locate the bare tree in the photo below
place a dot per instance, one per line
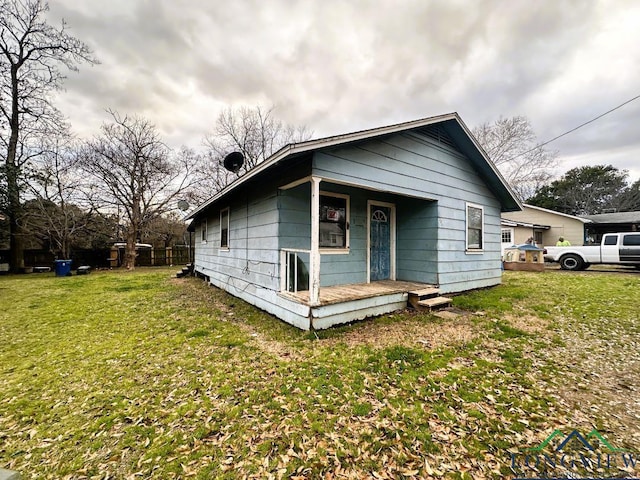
(131, 170)
(57, 200)
(165, 231)
(513, 147)
(255, 132)
(31, 52)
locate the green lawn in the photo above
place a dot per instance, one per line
(138, 375)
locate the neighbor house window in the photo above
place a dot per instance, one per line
(506, 235)
(475, 227)
(537, 238)
(334, 220)
(203, 230)
(224, 228)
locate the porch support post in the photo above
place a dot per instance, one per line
(314, 267)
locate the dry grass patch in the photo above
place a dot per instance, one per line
(142, 376)
(408, 328)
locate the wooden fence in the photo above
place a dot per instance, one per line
(109, 258)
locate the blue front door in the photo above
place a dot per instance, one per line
(380, 243)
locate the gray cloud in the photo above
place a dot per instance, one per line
(340, 66)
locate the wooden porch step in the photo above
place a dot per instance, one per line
(425, 292)
(435, 302)
(416, 296)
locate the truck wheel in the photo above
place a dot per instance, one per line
(571, 262)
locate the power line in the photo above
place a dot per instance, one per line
(578, 127)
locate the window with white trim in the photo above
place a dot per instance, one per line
(224, 228)
(334, 220)
(475, 228)
(506, 235)
(203, 230)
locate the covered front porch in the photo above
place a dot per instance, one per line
(333, 234)
(346, 303)
(357, 291)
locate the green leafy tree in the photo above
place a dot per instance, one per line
(584, 191)
(629, 199)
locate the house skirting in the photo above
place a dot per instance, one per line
(339, 305)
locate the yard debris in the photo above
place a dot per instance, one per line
(150, 382)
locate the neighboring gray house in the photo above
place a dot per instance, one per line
(338, 229)
(611, 223)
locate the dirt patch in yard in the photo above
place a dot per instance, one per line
(600, 376)
(528, 323)
(420, 331)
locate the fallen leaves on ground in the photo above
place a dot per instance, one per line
(148, 377)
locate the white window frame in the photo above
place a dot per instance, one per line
(228, 225)
(502, 231)
(468, 249)
(338, 250)
(203, 230)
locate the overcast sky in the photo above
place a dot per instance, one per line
(341, 66)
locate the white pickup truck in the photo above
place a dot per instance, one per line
(615, 248)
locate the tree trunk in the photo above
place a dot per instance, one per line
(132, 233)
(16, 241)
(130, 250)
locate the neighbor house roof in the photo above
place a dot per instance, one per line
(581, 219)
(618, 217)
(512, 223)
(453, 125)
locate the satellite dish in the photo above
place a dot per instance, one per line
(233, 161)
(183, 205)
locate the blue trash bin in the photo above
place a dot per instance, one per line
(63, 268)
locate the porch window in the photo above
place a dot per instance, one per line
(334, 220)
(224, 228)
(475, 228)
(203, 230)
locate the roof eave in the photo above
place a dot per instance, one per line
(312, 145)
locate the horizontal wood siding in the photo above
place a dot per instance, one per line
(295, 228)
(406, 164)
(417, 240)
(416, 165)
(252, 260)
(459, 270)
(295, 217)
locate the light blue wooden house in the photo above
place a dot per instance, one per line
(338, 229)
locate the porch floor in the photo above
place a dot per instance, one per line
(356, 291)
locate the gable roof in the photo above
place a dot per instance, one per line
(546, 210)
(451, 122)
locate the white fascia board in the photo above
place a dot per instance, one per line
(488, 160)
(296, 148)
(311, 145)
